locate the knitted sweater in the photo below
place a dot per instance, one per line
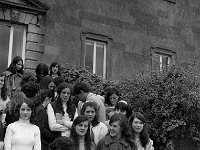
(22, 136)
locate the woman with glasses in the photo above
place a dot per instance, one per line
(62, 111)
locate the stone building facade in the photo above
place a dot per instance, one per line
(113, 37)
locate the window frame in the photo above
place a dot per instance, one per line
(171, 1)
(95, 55)
(10, 50)
(89, 36)
(162, 52)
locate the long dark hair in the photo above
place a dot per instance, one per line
(62, 143)
(53, 64)
(57, 104)
(30, 105)
(110, 92)
(28, 77)
(92, 104)
(3, 89)
(12, 68)
(74, 135)
(125, 128)
(124, 106)
(30, 89)
(42, 95)
(45, 82)
(144, 136)
(41, 71)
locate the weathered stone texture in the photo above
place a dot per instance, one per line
(35, 47)
(32, 37)
(34, 55)
(134, 25)
(22, 17)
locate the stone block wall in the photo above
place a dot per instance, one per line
(34, 47)
(133, 25)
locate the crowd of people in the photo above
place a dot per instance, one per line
(38, 111)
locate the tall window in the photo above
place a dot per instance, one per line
(12, 43)
(162, 59)
(95, 57)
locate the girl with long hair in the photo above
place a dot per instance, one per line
(119, 136)
(98, 129)
(4, 99)
(62, 111)
(41, 71)
(140, 134)
(55, 70)
(47, 83)
(111, 98)
(18, 97)
(23, 134)
(13, 75)
(80, 133)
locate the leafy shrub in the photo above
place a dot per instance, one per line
(74, 74)
(170, 102)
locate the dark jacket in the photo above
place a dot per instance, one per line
(12, 82)
(42, 122)
(1, 131)
(107, 143)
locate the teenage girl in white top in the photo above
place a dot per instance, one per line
(23, 134)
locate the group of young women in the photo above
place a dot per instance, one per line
(47, 119)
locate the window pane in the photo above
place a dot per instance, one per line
(166, 63)
(156, 62)
(99, 59)
(17, 42)
(4, 47)
(89, 55)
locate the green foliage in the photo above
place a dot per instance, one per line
(170, 102)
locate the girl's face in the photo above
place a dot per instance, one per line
(25, 112)
(120, 112)
(1, 81)
(113, 99)
(19, 65)
(51, 85)
(137, 125)
(90, 113)
(81, 128)
(115, 129)
(65, 94)
(55, 69)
